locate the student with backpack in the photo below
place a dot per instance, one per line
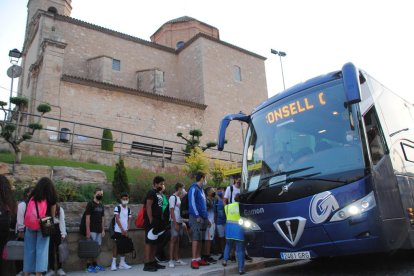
(55, 240)
(232, 191)
(42, 203)
(21, 210)
(122, 222)
(95, 226)
(176, 225)
(7, 218)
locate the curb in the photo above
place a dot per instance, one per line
(247, 267)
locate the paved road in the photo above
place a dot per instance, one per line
(398, 264)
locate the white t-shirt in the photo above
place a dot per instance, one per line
(228, 192)
(124, 215)
(175, 202)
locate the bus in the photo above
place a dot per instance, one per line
(328, 169)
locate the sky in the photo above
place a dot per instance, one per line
(318, 36)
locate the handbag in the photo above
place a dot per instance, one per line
(88, 249)
(47, 226)
(63, 251)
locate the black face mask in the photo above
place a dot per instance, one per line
(99, 197)
(159, 189)
(213, 194)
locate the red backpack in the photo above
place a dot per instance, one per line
(139, 221)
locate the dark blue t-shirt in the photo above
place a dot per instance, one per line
(221, 215)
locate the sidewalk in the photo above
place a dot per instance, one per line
(212, 269)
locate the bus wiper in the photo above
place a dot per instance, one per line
(291, 180)
(274, 174)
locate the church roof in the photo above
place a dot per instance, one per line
(181, 19)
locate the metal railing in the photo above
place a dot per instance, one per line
(81, 136)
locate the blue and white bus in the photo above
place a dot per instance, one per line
(328, 169)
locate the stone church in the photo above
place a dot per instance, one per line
(184, 78)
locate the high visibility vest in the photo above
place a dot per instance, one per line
(234, 230)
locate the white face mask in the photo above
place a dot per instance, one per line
(204, 183)
(124, 202)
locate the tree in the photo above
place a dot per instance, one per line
(107, 143)
(194, 141)
(120, 183)
(11, 128)
(196, 161)
(217, 171)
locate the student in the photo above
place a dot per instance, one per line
(220, 221)
(123, 219)
(164, 239)
(21, 208)
(198, 218)
(232, 190)
(176, 225)
(95, 226)
(209, 236)
(234, 234)
(55, 240)
(154, 224)
(36, 247)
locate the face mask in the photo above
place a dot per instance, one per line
(204, 183)
(213, 194)
(124, 202)
(99, 197)
(159, 189)
(220, 194)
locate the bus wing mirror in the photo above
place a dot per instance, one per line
(350, 76)
(225, 123)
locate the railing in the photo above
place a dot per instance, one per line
(81, 136)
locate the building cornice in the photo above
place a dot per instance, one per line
(128, 90)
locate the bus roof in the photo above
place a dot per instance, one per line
(298, 87)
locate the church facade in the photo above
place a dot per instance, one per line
(184, 78)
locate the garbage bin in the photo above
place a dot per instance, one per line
(64, 135)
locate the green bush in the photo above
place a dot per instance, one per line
(66, 191)
(107, 143)
(120, 183)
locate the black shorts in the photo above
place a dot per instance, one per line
(116, 236)
(156, 227)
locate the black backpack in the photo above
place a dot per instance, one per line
(184, 207)
(231, 194)
(82, 225)
(5, 220)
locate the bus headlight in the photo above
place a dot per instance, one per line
(248, 224)
(358, 207)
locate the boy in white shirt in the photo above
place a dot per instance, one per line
(174, 203)
(122, 223)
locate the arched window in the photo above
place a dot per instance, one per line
(237, 73)
(179, 45)
(52, 10)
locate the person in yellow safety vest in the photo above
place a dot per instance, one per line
(234, 234)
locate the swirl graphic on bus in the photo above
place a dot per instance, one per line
(321, 207)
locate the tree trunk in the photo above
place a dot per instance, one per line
(18, 157)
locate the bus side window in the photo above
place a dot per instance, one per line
(374, 135)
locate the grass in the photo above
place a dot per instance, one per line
(51, 161)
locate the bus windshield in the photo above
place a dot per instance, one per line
(311, 137)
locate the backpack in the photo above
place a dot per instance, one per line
(82, 225)
(111, 228)
(31, 217)
(139, 221)
(231, 194)
(184, 207)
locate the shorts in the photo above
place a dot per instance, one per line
(210, 231)
(96, 237)
(198, 229)
(116, 236)
(174, 232)
(153, 232)
(220, 230)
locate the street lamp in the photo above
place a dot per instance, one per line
(280, 54)
(14, 71)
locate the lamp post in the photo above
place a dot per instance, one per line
(280, 54)
(14, 71)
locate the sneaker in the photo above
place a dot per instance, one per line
(113, 267)
(224, 263)
(194, 264)
(203, 262)
(242, 272)
(248, 258)
(161, 259)
(124, 265)
(149, 267)
(171, 264)
(91, 269)
(21, 273)
(180, 262)
(61, 272)
(50, 273)
(99, 268)
(158, 266)
(210, 260)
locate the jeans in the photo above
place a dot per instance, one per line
(36, 249)
(239, 252)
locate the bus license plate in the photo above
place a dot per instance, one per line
(303, 255)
